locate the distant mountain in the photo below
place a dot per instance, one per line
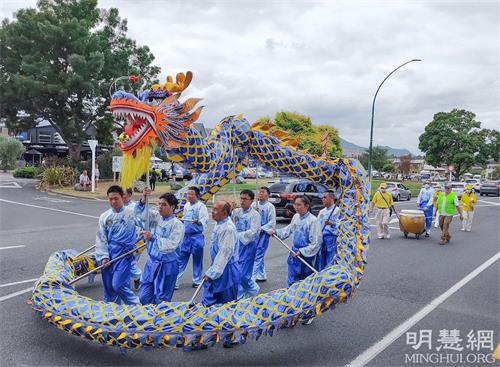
(353, 149)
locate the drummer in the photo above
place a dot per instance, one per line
(383, 201)
(425, 202)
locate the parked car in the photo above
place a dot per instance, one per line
(248, 172)
(458, 188)
(490, 188)
(181, 173)
(398, 191)
(264, 173)
(476, 184)
(283, 194)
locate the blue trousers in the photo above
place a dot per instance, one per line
(428, 218)
(259, 271)
(116, 282)
(297, 270)
(135, 271)
(223, 289)
(247, 287)
(191, 245)
(158, 281)
(327, 252)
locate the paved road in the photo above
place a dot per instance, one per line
(403, 280)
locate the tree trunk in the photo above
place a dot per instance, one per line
(74, 151)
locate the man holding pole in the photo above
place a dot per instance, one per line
(267, 213)
(306, 240)
(195, 221)
(247, 222)
(164, 237)
(425, 202)
(328, 220)
(115, 236)
(383, 201)
(222, 277)
(135, 271)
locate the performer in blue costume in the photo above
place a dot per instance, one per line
(267, 225)
(166, 234)
(135, 271)
(425, 202)
(195, 222)
(115, 236)
(328, 221)
(222, 277)
(306, 240)
(247, 222)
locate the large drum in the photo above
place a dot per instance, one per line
(412, 221)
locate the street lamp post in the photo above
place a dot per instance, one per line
(373, 113)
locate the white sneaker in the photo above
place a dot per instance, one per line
(387, 236)
(463, 230)
(380, 237)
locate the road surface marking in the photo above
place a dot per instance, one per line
(487, 202)
(10, 185)
(20, 282)
(52, 200)
(18, 293)
(8, 247)
(390, 338)
(46, 208)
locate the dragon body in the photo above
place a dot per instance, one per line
(157, 116)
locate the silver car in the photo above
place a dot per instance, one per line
(458, 188)
(398, 191)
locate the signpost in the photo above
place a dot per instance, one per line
(451, 168)
(93, 145)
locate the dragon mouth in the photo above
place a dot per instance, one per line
(138, 125)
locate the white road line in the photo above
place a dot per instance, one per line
(488, 202)
(3, 298)
(46, 208)
(20, 282)
(8, 247)
(380, 346)
(10, 185)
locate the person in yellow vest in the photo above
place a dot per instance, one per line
(468, 201)
(448, 206)
(437, 190)
(383, 201)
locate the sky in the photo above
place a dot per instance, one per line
(326, 59)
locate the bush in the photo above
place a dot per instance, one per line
(105, 162)
(10, 150)
(58, 176)
(26, 172)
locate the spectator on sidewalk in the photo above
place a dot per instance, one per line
(85, 180)
(97, 175)
(468, 201)
(448, 206)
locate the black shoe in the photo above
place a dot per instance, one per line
(229, 344)
(260, 280)
(137, 284)
(195, 285)
(427, 235)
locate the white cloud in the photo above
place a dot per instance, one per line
(326, 59)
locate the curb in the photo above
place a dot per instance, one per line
(50, 191)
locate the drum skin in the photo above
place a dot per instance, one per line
(412, 221)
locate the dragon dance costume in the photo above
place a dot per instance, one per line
(223, 273)
(247, 231)
(267, 213)
(162, 267)
(157, 116)
(306, 238)
(330, 233)
(115, 236)
(194, 240)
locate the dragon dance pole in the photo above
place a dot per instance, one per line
(192, 301)
(298, 257)
(84, 251)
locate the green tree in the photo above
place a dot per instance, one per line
(57, 63)
(456, 138)
(10, 150)
(380, 159)
(310, 136)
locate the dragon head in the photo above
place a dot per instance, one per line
(155, 114)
